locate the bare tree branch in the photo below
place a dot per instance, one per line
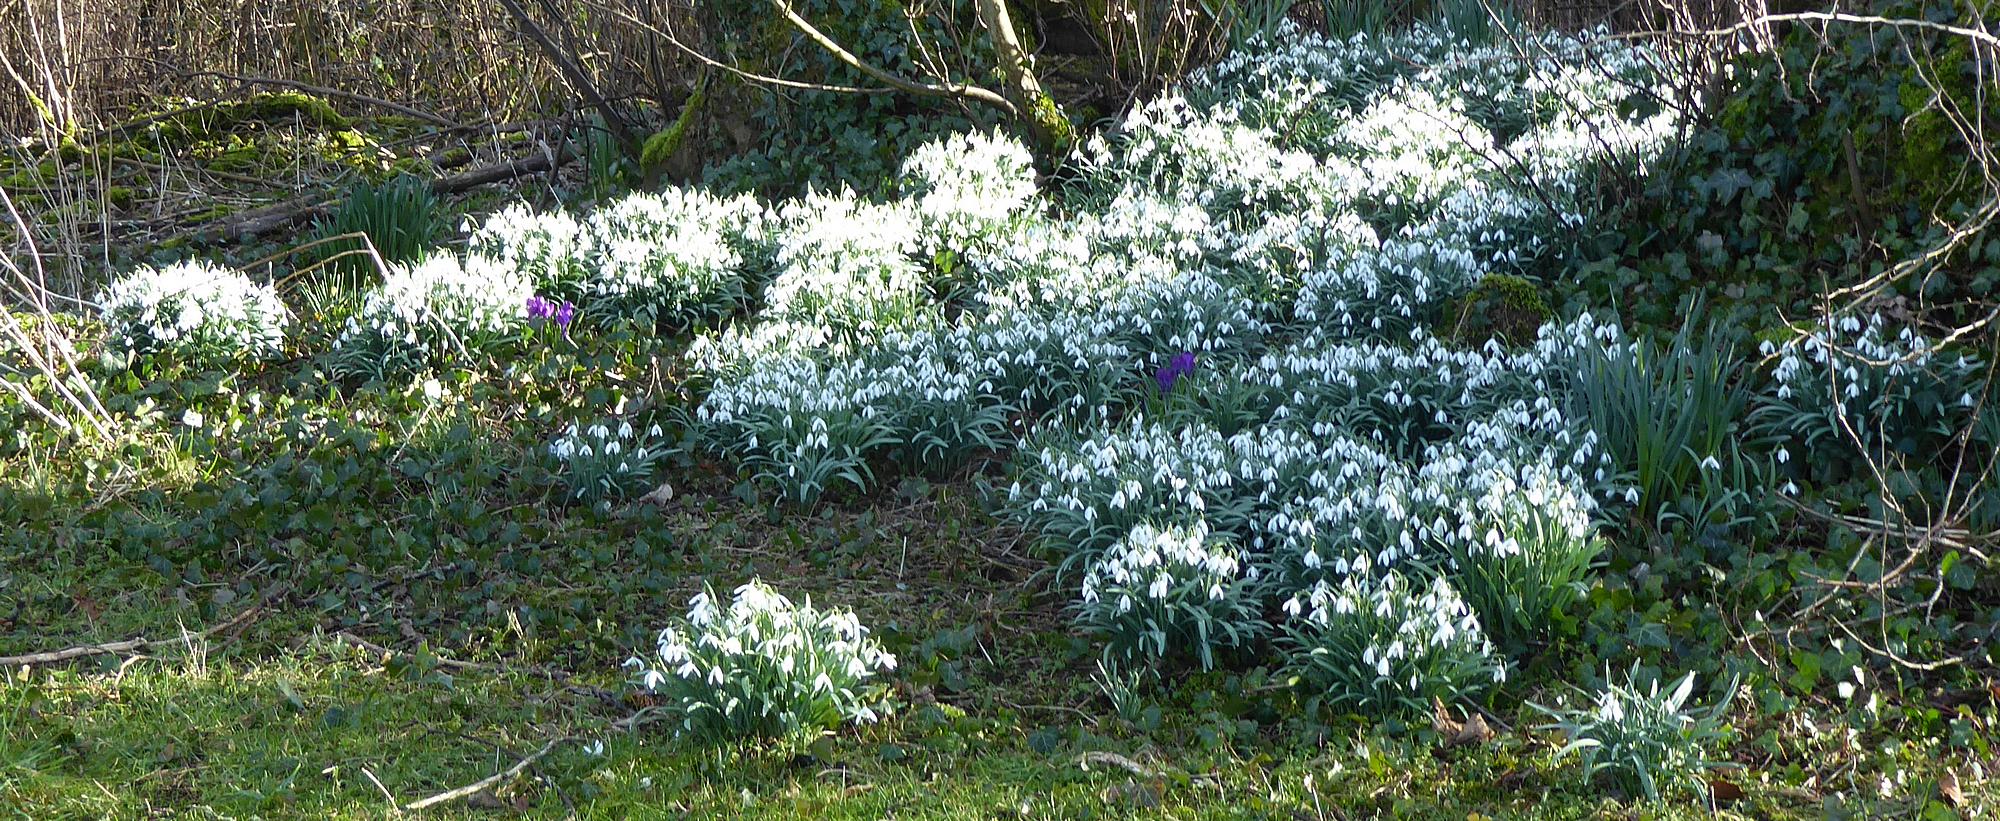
(490, 781)
(613, 118)
(960, 90)
(740, 73)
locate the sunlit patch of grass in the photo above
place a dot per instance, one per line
(328, 731)
(997, 713)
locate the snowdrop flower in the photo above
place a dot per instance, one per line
(433, 310)
(203, 311)
(764, 662)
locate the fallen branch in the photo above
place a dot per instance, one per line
(491, 781)
(372, 647)
(128, 645)
(1102, 758)
(258, 221)
(1975, 35)
(323, 91)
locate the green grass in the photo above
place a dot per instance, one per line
(428, 528)
(997, 712)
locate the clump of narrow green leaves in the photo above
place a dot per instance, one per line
(1640, 740)
(401, 218)
(608, 460)
(1663, 413)
(1164, 592)
(1388, 646)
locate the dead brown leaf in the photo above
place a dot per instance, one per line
(1457, 733)
(1949, 788)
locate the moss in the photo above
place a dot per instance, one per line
(205, 123)
(284, 105)
(1056, 133)
(120, 197)
(356, 150)
(216, 213)
(35, 176)
(1933, 153)
(237, 156)
(128, 149)
(1501, 306)
(662, 146)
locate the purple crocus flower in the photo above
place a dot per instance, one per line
(543, 308)
(539, 308)
(1182, 365)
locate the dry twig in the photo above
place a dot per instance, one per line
(491, 781)
(129, 645)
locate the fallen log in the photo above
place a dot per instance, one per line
(263, 220)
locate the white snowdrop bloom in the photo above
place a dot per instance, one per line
(966, 185)
(1866, 371)
(200, 310)
(1293, 219)
(440, 308)
(1412, 641)
(678, 254)
(763, 662)
(1158, 579)
(846, 263)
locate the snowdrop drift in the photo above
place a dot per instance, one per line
(1209, 353)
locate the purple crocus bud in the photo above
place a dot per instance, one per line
(1181, 365)
(564, 314)
(539, 308)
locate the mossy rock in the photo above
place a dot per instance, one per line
(1502, 306)
(289, 105)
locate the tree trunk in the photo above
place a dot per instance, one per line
(1047, 126)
